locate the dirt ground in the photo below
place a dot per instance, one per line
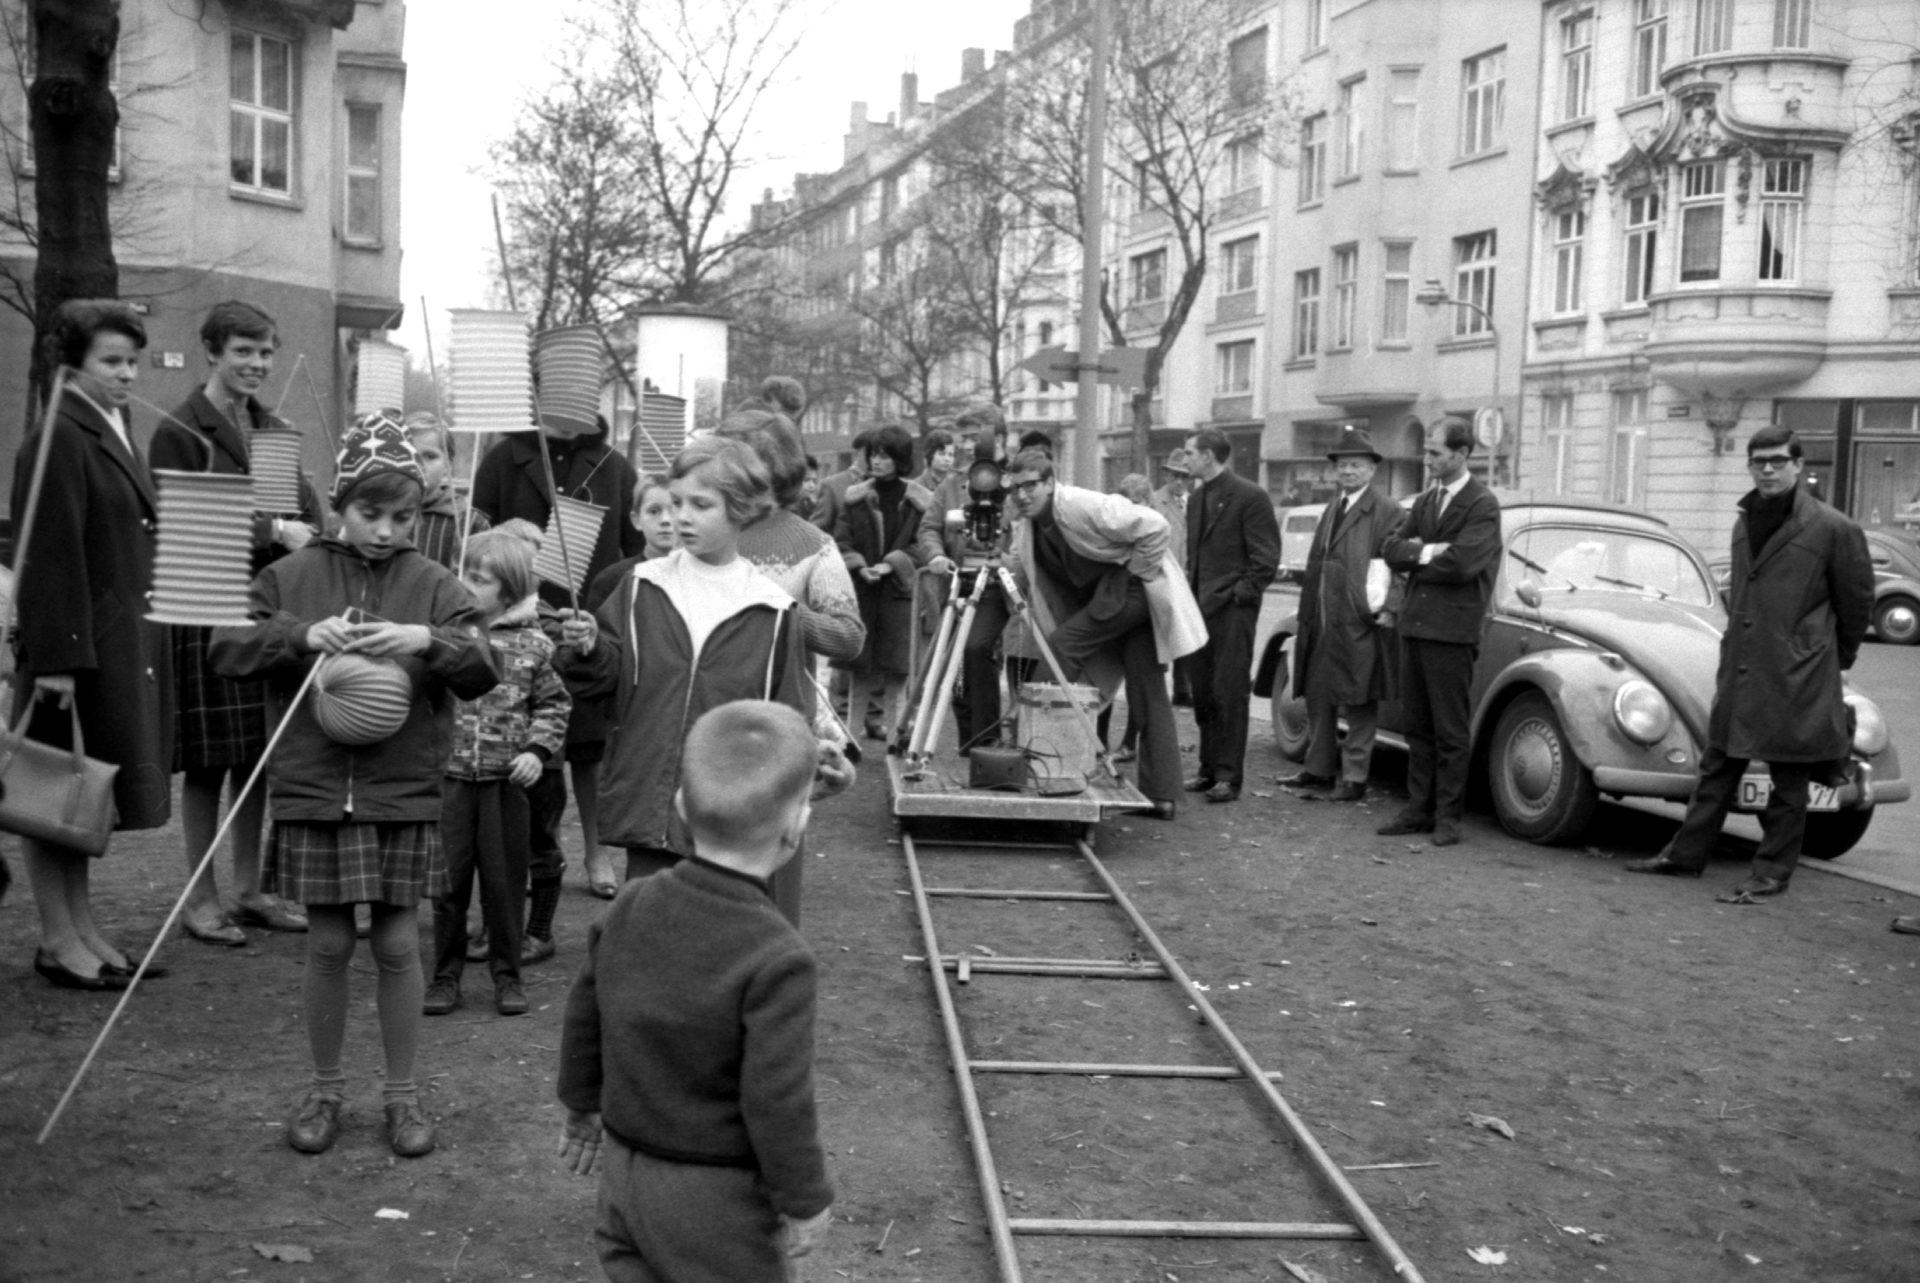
(1696, 1091)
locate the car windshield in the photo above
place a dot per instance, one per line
(1575, 559)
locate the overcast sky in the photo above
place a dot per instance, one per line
(470, 63)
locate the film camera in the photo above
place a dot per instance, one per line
(980, 519)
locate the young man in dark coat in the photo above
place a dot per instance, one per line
(1342, 654)
(1802, 597)
(1449, 549)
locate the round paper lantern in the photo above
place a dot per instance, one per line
(275, 463)
(492, 377)
(569, 361)
(360, 700)
(202, 561)
(382, 380)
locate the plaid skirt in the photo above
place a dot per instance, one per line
(217, 722)
(348, 863)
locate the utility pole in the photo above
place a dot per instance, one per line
(1083, 459)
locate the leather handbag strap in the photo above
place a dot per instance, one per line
(11, 739)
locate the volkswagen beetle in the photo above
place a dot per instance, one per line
(1595, 677)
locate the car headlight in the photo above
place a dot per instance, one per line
(1642, 712)
(1869, 727)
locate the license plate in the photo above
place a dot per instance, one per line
(1756, 789)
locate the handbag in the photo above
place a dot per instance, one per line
(55, 795)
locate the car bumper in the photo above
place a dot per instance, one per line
(1662, 784)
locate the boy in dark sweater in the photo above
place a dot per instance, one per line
(687, 1054)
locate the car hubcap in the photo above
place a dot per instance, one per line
(1900, 622)
(1533, 765)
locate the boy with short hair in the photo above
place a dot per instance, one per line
(688, 1041)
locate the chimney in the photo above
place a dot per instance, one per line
(909, 97)
(973, 63)
(857, 118)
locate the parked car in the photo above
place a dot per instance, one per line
(1595, 678)
(1296, 536)
(1896, 583)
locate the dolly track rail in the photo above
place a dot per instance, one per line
(1003, 1228)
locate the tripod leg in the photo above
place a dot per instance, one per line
(955, 659)
(1020, 608)
(923, 677)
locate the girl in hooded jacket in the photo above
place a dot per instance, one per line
(359, 823)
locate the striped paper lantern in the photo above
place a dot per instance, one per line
(202, 563)
(382, 381)
(569, 362)
(580, 522)
(275, 463)
(360, 700)
(492, 377)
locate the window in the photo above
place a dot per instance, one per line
(1243, 164)
(1396, 290)
(1702, 212)
(1346, 274)
(260, 113)
(1576, 66)
(1238, 265)
(363, 173)
(1403, 120)
(1233, 368)
(1792, 24)
(1143, 196)
(1353, 129)
(1473, 267)
(1483, 102)
(1627, 468)
(1569, 260)
(1556, 412)
(1649, 46)
(1313, 159)
(1783, 194)
(1316, 24)
(1247, 68)
(889, 195)
(1642, 233)
(1147, 277)
(890, 260)
(1306, 313)
(1712, 26)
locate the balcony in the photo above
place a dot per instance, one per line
(1359, 383)
(1232, 409)
(1236, 307)
(1746, 340)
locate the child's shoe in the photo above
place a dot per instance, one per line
(316, 1125)
(536, 949)
(509, 999)
(409, 1134)
(442, 997)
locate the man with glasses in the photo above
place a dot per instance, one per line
(1449, 550)
(1801, 598)
(1107, 593)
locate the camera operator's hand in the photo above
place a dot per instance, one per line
(942, 565)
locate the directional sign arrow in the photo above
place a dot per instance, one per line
(1123, 367)
(1054, 364)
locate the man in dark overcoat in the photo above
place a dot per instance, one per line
(1233, 553)
(1802, 597)
(1449, 549)
(1341, 653)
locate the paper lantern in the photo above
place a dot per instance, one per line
(492, 378)
(360, 700)
(580, 522)
(275, 461)
(570, 364)
(203, 560)
(382, 380)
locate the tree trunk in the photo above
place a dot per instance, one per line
(73, 117)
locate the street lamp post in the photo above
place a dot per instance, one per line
(1432, 296)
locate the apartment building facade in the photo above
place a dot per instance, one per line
(259, 158)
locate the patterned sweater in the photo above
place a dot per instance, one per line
(804, 561)
(526, 713)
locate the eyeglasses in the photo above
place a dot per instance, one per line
(1027, 487)
(1770, 462)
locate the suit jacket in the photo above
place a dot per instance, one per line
(1233, 543)
(1798, 614)
(1447, 599)
(1337, 630)
(199, 438)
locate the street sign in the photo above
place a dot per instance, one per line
(1122, 367)
(1054, 364)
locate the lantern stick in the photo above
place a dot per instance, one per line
(320, 408)
(433, 370)
(299, 364)
(559, 521)
(34, 486)
(126, 995)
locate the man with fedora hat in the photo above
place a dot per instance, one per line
(1449, 550)
(1233, 553)
(1342, 652)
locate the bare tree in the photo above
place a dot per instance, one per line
(909, 340)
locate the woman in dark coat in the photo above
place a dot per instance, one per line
(875, 530)
(83, 633)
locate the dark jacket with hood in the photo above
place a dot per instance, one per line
(312, 779)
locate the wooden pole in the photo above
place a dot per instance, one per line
(1083, 461)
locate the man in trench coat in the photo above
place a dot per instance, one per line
(1342, 654)
(1802, 596)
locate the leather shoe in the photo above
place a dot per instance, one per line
(409, 1134)
(1446, 833)
(154, 972)
(1906, 925)
(1159, 811)
(1198, 784)
(442, 997)
(1305, 780)
(1223, 792)
(1662, 864)
(536, 949)
(61, 976)
(509, 999)
(1348, 791)
(1405, 823)
(1753, 890)
(317, 1124)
